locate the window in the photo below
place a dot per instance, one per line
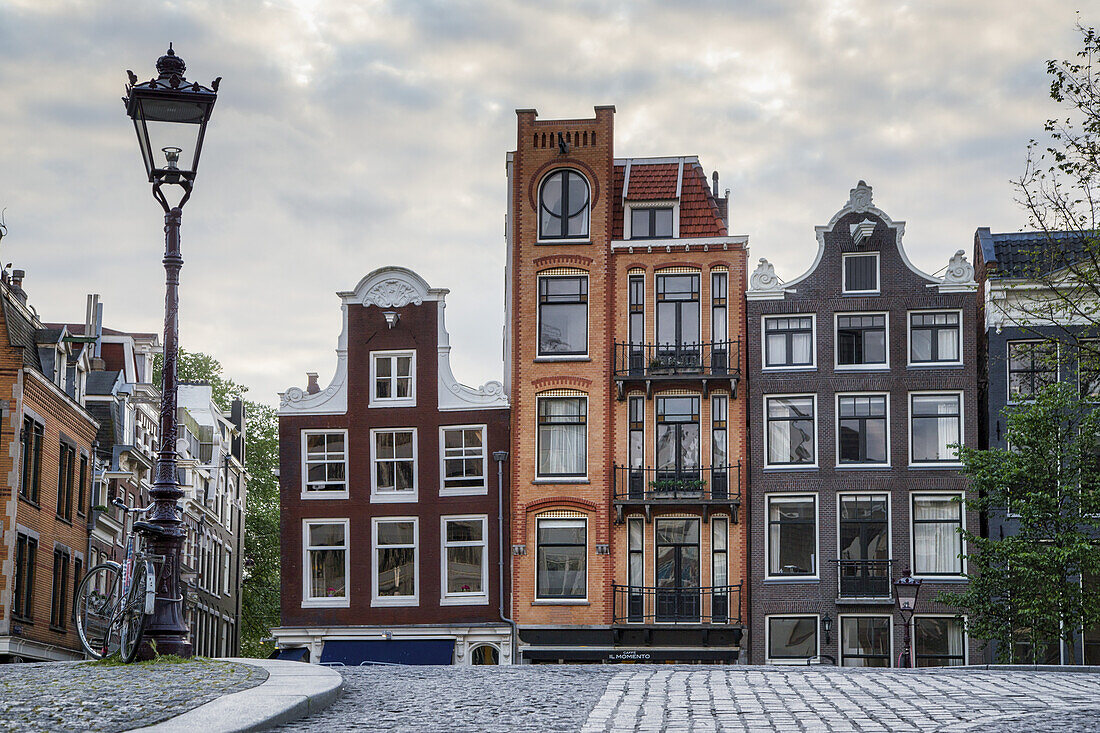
(935, 422)
(82, 486)
(861, 273)
(1032, 365)
(719, 570)
(1088, 367)
(325, 468)
(655, 223)
(563, 437)
(465, 546)
(396, 566)
(790, 431)
(562, 559)
(937, 543)
(66, 468)
(463, 459)
(934, 338)
(327, 564)
(788, 341)
(58, 605)
(865, 641)
(861, 340)
(563, 316)
(393, 453)
(393, 374)
(26, 556)
(792, 536)
(792, 638)
(939, 641)
(563, 206)
(862, 430)
(32, 459)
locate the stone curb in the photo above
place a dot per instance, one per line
(293, 690)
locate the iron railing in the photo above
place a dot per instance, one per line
(714, 483)
(720, 604)
(865, 578)
(655, 361)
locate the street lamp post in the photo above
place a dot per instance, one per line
(906, 589)
(170, 115)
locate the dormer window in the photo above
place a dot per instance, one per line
(653, 223)
(563, 206)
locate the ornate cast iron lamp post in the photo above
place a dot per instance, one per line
(170, 116)
(906, 589)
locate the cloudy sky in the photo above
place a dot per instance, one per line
(351, 134)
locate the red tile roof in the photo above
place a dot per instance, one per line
(701, 215)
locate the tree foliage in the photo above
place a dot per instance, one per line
(1029, 584)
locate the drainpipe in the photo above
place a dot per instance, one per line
(500, 457)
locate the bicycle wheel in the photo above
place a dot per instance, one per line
(97, 606)
(133, 615)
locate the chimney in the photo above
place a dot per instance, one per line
(17, 285)
(312, 387)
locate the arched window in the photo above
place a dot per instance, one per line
(563, 206)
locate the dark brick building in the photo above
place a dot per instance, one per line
(389, 493)
(863, 374)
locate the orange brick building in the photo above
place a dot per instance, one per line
(625, 319)
(46, 438)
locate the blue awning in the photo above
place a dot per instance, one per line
(294, 654)
(418, 651)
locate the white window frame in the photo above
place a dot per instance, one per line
(376, 600)
(909, 425)
(860, 367)
(812, 366)
(586, 356)
(464, 599)
(555, 600)
(628, 218)
(309, 601)
(393, 354)
(844, 269)
(817, 437)
(836, 432)
(768, 638)
(464, 490)
(840, 636)
(306, 493)
(551, 479)
(913, 538)
(913, 635)
(816, 575)
(394, 497)
(909, 339)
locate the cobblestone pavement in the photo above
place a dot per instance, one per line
(675, 698)
(79, 696)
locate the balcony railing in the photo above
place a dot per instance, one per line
(694, 361)
(865, 579)
(720, 604)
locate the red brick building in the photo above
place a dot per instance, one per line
(389, 492)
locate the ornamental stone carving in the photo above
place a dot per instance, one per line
(859, 198)
(959, 270)
(764, 278)
(392, 294)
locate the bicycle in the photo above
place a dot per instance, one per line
(114, 601)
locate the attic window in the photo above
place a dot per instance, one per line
(653, 223)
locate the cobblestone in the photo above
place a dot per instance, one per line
(79, 696)
(599, 699)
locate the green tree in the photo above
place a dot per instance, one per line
(1028, 585)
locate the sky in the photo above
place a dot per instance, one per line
(353, 134)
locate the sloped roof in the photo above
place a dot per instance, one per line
(1031, 254)
(701, 215)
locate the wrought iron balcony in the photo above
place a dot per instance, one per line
(720, 604)
(695, 362)
(865, 579)
(702, 487)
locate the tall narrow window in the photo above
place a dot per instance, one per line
(563, 206)
(792, 535)
(393, 374)
(653, 223)
(719, 334)
(65, 471)
(790, 431)
(463, 460)
(326, 563)
(719, 446)
(393, 453)
(935, 422)
(395, 562)
(788, 341)
(1032, 365)
(861, 273)
(637, 324)
(563, 315)
(719, 570)
(933, 337)
(861, 340)
(865, 641)
(939, 641)
(58, 600)
(32, 459)
(465, 546)
(636, 487)
(562, 559)
(636, 569)
(678, 447)
(326, 463)
(937, 542)
(862, 429)
(26, 556)
(563, 436)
